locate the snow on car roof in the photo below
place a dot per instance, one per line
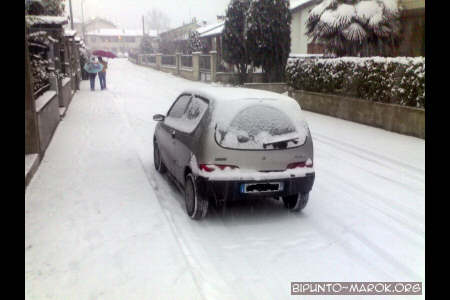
(233, 93)
(228, 101)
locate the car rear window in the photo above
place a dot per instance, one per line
(258, 127)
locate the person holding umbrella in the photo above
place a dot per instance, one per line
(102, 73)
(92, 67)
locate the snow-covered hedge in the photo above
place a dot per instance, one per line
(38, 44)
(397, 80)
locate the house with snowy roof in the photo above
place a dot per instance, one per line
(119, 41)
(211, 36)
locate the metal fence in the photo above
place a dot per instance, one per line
(149, 59)
(169, 60)
(186, 61)
(205, 62)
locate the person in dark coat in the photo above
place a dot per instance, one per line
(102, 73)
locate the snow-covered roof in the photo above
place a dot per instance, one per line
(46, 20)
(212, 29)
(120, 32)
(296, 3)
(70, 32)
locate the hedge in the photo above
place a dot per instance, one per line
(396, 80)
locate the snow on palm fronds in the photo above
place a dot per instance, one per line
(354, 27)
(354, 32)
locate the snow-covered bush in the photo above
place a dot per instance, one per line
(41, 70)
(195, 43)
(397, 80)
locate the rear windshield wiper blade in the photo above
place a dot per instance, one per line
(286, 140)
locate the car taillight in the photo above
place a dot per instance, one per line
(210, 168)
(302, 164)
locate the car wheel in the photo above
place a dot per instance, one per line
(196, 205)
(296, 202)
(159, 165)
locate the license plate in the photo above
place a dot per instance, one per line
(261, 187)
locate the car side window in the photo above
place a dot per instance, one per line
(191, 116)
(179, 107)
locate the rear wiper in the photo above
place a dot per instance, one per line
(279, 141)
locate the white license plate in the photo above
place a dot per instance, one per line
(261, 187)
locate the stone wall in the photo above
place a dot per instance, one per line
(47, 109)
(396, 118)
(277, 87)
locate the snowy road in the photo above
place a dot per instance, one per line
(100, 223)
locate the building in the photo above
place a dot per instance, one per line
(176, 40)
(300, 43)
(119, 41)
(91, 25)
(412, 33)
(212, 36)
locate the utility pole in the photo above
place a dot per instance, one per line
(71, 14)
(82, 20)
(143, 26)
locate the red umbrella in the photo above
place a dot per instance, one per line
(104, 53)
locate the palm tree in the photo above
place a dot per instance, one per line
(355, 27)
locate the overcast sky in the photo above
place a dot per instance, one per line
(128, 13)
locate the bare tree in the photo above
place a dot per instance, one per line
(157, 20)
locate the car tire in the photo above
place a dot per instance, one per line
(296, 202)
(196, 205)
(159, 165)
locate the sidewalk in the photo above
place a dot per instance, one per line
(89, 234)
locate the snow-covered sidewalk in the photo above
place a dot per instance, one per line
(100, 223)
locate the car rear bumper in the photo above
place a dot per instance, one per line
(231, 190)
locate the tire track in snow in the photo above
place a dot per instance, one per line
(370, 156)
(399, 207)
(181, 245)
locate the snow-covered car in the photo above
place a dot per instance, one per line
(223, 144)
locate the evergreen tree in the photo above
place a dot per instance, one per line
(146, 45)
(269, 36)
(45, 7)
(195, 43)
(234, 42)
(355, 27)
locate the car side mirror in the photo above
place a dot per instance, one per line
(158, 117)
